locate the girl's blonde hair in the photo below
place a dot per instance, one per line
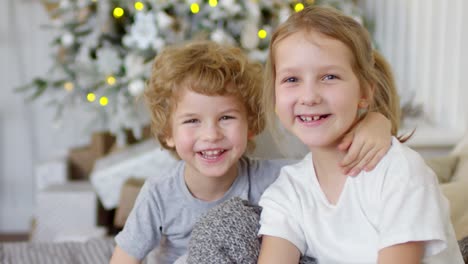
(208, 68)
(374, 73)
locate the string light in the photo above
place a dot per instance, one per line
(68, 86)
(91, 97)
(195, 8)
(298, 7)
(118, 12)
(103, 101)
(110, 80)
(262, 33)
(213, 3)
(139, 6)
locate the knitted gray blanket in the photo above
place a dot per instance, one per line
(227, 234)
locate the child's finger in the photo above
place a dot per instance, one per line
(368, 156)
(354, 167)
(353, 154)
(375, 160)
(346, 141)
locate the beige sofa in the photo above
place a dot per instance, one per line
(452, 171)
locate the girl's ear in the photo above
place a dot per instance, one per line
(367, 97)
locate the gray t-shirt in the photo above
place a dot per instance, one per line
(165, 212)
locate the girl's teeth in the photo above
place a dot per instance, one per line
(310, 118)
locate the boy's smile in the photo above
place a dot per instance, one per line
(210, 133)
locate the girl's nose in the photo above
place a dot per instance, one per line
(311, 95)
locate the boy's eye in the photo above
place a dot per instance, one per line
(329, 77)
(190, 121)
(226, 117)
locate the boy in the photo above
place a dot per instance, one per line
(204, 102)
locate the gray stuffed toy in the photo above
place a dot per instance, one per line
(227, 234)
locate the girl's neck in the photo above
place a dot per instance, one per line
(207, 188)
(328, 172)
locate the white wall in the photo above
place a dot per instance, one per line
(27, 135)
(425, 41)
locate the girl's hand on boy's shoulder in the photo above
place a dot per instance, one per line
(366, 144)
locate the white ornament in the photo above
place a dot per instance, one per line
(134, 65)
(67, 39)
(284, 13)
(249, 38)
(164, 20)
(220, 36)
(136, 87)
(108, 60)
(143, 31)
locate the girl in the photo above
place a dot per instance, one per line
(322, 75)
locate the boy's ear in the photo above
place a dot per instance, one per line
(170, 142)
(250, 135)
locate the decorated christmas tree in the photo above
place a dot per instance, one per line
(104, 49)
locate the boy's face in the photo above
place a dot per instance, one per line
(209, 133)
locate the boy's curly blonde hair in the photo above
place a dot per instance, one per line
(207, 68)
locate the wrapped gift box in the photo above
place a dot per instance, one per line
(52, 172)
(66, 210)
(140, 160)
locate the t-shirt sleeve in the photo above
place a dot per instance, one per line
(263, 174)
(279, 217)
(412, 207)
(142, 230)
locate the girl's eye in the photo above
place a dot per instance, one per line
(226, 117)
(190, 121)
(290, 79)
(329, 77)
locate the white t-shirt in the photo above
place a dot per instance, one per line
(397, 202)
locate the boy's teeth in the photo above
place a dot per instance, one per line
(211, 153)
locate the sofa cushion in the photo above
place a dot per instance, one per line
(456, 194)
(443, 167)
(461, 170)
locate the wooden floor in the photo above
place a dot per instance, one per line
(14, 237)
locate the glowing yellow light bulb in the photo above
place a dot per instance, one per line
(68, 86)
(139, 6)
(103, 101)
(91, 97)
(213, 3)
(298, 7)
(118, 12)
(195, 8)
(110, 80)
(262, 33)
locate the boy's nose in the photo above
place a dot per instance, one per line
(212, 133)
(310, 95)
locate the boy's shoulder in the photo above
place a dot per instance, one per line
(168, 178)
(258, 164)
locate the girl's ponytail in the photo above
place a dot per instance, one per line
(386, 99)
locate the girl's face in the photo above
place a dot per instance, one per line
(317, 92)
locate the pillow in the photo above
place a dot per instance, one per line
(443, 167)
(461, 170)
